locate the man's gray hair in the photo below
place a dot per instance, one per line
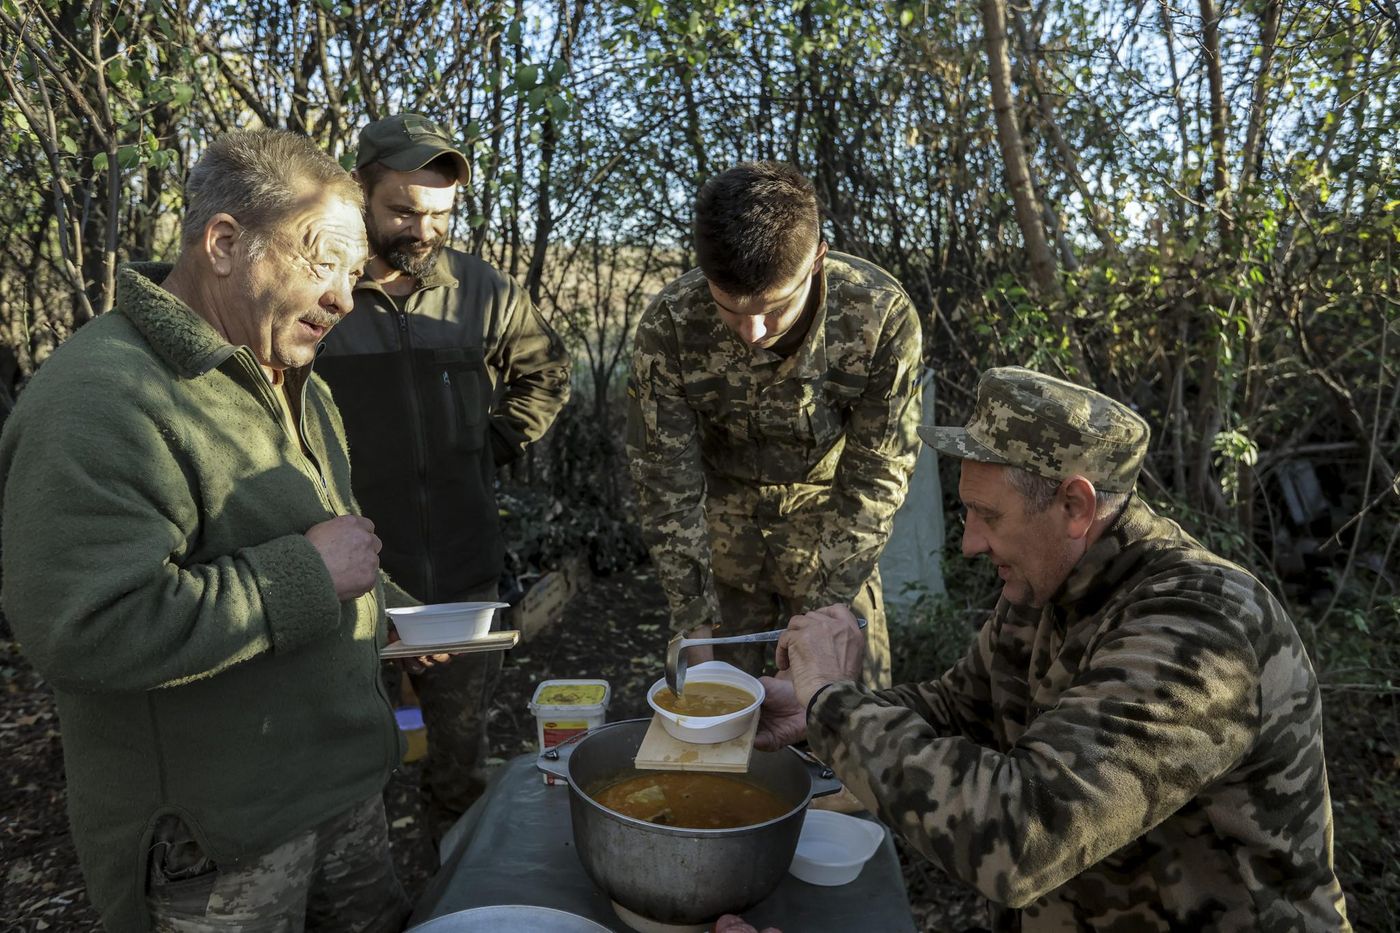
(1039, 493)
(256, 176)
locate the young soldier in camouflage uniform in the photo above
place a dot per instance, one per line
(1135, 740)
(772, 416)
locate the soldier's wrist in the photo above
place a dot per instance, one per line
(812, 700)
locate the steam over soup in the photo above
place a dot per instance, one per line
(704, 699)
(691, 800)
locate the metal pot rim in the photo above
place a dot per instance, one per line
(674, 830)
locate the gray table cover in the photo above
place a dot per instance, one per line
(516, 846)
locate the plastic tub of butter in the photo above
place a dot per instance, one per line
(566, 708)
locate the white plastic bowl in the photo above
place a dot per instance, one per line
(834, 847)
(710, 730)
(443, 623)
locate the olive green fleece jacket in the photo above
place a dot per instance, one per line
(157, 574)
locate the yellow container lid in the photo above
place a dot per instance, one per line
(570, 694)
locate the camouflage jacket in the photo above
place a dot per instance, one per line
(739, 452)
(1145, 753)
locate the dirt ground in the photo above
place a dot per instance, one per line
(614, 629)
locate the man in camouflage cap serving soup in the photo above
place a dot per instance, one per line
(1134, 742)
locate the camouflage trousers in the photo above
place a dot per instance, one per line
(338, 876)
(455, 698)
(766, 606)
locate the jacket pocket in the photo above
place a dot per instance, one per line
(180, 878)
(459, 395)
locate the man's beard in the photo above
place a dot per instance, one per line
(409, 254)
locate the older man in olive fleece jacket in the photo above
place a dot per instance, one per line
(183, 563)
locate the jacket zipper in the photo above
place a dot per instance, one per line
(420, 447)
(317, 473)
(306, 463)
(302, 445)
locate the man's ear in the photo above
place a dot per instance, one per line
(1080, 501)
(220, 241)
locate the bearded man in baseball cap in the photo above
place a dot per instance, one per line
(1133, 740)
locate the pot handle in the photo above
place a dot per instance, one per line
(824, 780)
(555, 759)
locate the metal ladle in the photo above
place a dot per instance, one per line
(675, 651)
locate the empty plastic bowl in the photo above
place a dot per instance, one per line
(834, 847)
(443, 623)
(709, 730)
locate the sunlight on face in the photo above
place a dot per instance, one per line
(301, 286)
(1033, 553)
(408, 215)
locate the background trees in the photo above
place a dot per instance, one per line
(1191, 205)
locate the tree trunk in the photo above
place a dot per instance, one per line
(1013, 152)
(1259, 103)
(1044, 272)
(1219, 117)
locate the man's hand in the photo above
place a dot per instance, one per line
(426, 662)
(350, 548)
(732, 923)
(421, 663)
(821, 647)
(782, 720)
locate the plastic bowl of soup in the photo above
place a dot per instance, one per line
(719, 703)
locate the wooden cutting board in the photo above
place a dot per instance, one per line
(661, 751)
(491, 641)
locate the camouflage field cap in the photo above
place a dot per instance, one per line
(1050, 427)
(406, 142)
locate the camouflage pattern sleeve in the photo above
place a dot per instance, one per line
(532, 366)
(1167, 703)
(663, 453)
(872, 476)
(960, 702)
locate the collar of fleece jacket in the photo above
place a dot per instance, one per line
(187, 342)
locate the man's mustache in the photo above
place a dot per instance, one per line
(412, 242)
(319, 319)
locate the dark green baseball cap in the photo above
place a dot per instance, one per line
(1051, 427)
(406, 142)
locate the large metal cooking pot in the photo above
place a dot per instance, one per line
(517, 918)
(673, 875)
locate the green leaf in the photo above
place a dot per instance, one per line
(906, 16)
(116, 71)
(181, 93)
(129, 156)
(99, 162)
(68, 144)
(526, 77)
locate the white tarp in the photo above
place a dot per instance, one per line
(911, 562)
